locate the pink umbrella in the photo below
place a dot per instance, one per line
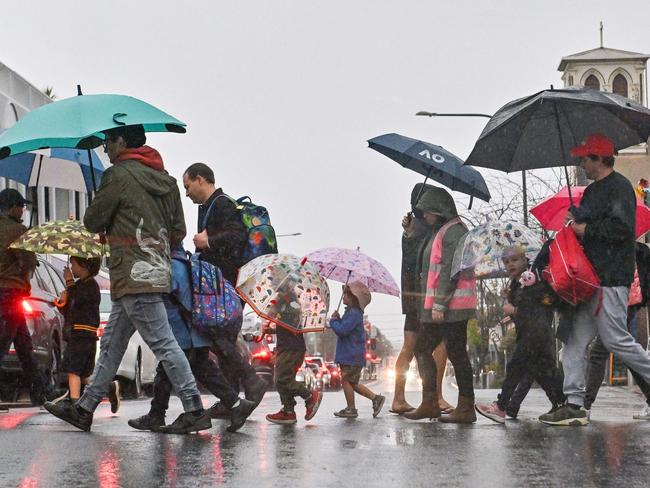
(551, 211)
(348, 265)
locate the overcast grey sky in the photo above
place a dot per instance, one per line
(280, 96)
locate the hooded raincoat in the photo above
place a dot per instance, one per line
(439, 201)
(138, 206)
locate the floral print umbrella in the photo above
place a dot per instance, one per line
(68, 237)
(287, 290)
(481, 249)
(349, 265)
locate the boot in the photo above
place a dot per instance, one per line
(463, 414)
(428, 409)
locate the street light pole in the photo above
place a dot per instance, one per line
(523, 172)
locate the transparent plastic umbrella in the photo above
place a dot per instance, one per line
(286, 290)
(480, 251)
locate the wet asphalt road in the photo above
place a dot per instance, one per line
(38, 450)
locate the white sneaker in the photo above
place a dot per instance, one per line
(643, 414)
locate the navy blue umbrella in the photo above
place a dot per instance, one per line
(433, 162)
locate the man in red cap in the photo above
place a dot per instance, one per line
(605, 223)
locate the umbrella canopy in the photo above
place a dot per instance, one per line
(539, 131)
(286, 290)
(68, 237)
(78, 122)
(348, 265)
(551, 211)
(433, 162)
(481, 249)
(58, 167)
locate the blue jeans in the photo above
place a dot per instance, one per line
(145, 313)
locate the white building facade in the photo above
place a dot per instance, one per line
(17, 97)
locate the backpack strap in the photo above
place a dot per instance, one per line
(223, 195)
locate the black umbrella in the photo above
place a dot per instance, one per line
(433, 162)
(539, 131)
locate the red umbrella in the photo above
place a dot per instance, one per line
(551, 211)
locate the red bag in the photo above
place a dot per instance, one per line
(569, 272)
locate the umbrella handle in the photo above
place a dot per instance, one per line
(346, 284)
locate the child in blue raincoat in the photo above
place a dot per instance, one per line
(351, 348)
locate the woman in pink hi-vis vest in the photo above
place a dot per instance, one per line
(446, 305)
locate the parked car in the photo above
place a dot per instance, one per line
(307, 375)
(138, 367)
(45, 325)
(334, 375)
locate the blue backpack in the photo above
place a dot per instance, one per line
(215, 303)
(256, 220)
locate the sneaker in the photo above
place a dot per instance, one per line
(188, 422)
(114, 396)
(491, 411)
(312, 403)
(239, 414)
(219, 411)
(347, 413)
(282, 417)
(643, 414)
(150, 421)
(4, 409)
(56, 395)
(71, 413)
(377, 404)
(256, 393)
(565, 415)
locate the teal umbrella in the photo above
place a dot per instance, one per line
(78, 122)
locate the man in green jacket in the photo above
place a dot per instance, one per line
(16, 270)
(138, 208)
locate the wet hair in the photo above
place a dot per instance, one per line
(202, 170)
(133, 135)
(92, 265)
(607, 160)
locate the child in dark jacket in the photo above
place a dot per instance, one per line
(79, 304)
(531, 304)
(289, 355)
(351, 348)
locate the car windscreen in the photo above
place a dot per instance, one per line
(105, 304)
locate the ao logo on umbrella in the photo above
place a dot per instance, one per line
(436, 158)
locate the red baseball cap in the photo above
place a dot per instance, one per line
(596, 144)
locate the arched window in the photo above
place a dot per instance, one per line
(592, 82)
(620, 85)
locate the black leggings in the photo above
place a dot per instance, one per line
(455, 336)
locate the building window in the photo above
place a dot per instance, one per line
(620, 85)
(592, 82)
(570, 80)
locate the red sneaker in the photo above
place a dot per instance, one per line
(491, 411)
(282, 417)
(312, 404)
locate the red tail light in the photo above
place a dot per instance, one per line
(263, 354)
(368, 355)
(335, 373)
(27, 307)
(269, 339)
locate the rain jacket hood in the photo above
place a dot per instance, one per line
(438, 201)
(145, 155)
(415, 193)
